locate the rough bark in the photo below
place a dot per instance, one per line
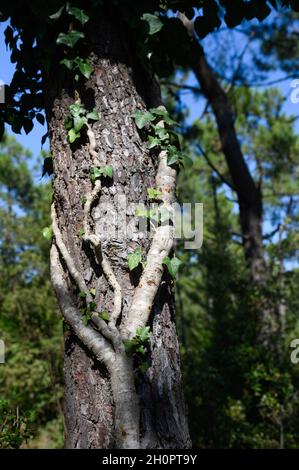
(118, 86)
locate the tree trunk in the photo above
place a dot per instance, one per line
(248, 193)
(94, 407)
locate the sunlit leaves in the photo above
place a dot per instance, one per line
(172, 265)
(69, 39)
(47, 233)
(97, 172)
(134, 259)
(153, 22)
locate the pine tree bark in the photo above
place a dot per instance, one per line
(119, 85)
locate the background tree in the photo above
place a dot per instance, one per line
(91, 70)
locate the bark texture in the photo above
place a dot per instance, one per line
(118, 86)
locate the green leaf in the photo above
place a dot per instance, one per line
(92, 306)
(82, 294)
(47, 233)
(68, 122)
(94, 115)
(134, 259)
(57, 14)
(143, 367)
(93, 292)
(73, 135)
(172, 265)
(139, 212)
(141, 350)
(40, 118)
(143, 333)
(173, 155)
(104, 316)
(153, 193)
(79, 14)
(69, 64)
(153, 22)
(131, 345)
(161, 133)
(79, 122)
(81, 232)
(84, 67)
(159, 111)
(107, 171)
(96, 172)
(76, 109)
(142, 118)
(152, 142)
(69, 39)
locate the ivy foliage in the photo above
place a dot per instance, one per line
(77, 119)
(39, 33)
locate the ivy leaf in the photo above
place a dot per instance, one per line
(68, 122)
(94, 115)
(143, 333)
(139, 212)
(47, 233)
(142, 118)
(153, 142)
(172, 265)
(79, 14)
(92, 306)
(73, 135)
(85, 68)
(141, 350)
(82, 294)
(173, 155)
(130, 346)
(69, 39)
(107, 171)
(76, 109)
(154, 23)
(134, 259)
(104, 316)
(79, 122)
(143, 367)
(159, 111)
(28, 125)
(57, 14)
(154, 193)
(69, 64)
(81, 232)
(47, 166)
(40, 118)
(161, 133)
(97, 172)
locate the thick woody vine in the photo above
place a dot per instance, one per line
(119, 343)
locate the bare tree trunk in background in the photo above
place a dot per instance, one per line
(118, 86)
(248, 193)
